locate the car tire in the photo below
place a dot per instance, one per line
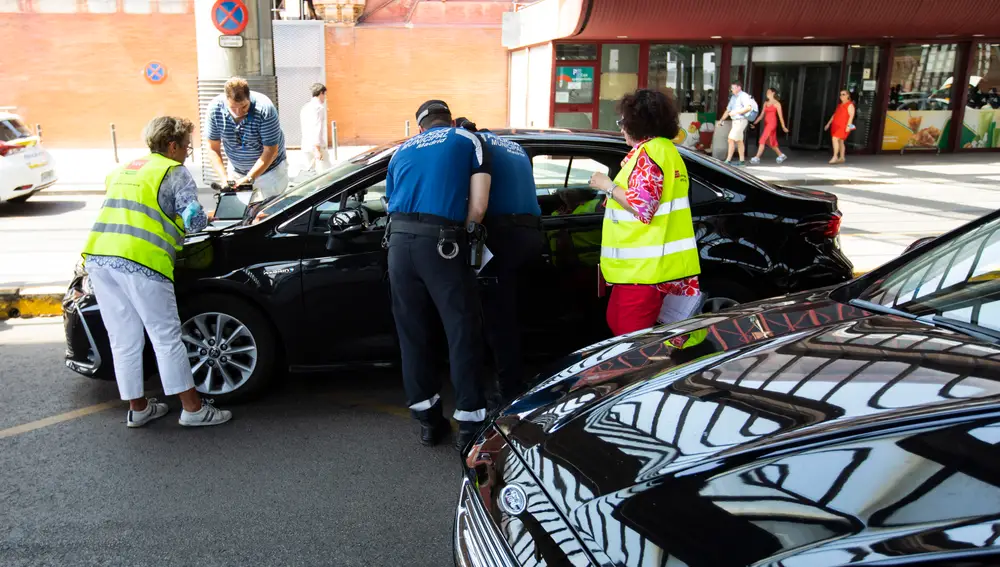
(247, 337)
(723, 294)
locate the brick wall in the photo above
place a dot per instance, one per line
(378, 76)
(75, 74)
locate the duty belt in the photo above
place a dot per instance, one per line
(446, 231)
(519, 220)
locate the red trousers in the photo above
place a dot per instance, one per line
(633, 307)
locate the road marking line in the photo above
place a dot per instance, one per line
(70, 415)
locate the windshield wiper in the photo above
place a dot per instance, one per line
(879, 308)
(970, 329)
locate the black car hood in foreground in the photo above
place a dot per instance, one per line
(799, 430)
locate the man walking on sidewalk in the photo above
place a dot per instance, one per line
(740, 106)
(312, 119)
(149, 206)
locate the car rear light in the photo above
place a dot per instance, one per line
(9, 150)
(826, 226)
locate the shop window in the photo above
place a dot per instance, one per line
(689, 76)
(138, 6)
(172, 6)
(576, 52)
(920, 98)
(982, 115)
(619, 76)
(102, 6)
(574, 84)
(577, 120)
(739, 67)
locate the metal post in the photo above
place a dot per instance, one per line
(333, 138)
(114, 141)
(38, 131)
(407, 128)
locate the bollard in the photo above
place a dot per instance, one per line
(114, 141)
(333, 136)
(407, 128)
(38, 131)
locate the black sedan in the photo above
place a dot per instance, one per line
(858, 424)
(282, 290)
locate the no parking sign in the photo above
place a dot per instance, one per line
(155, 72)
(230, 16)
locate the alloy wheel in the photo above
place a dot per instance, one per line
(222, 352)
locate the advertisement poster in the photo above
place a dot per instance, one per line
(916, 129)
(575, 78)
(981, 128)
(696, 130)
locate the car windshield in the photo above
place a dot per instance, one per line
(955, 282)
(12, 129)
(323, 180)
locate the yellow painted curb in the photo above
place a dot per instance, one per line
(27, 303)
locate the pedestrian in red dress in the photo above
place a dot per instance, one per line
(771, 115)
(840, 125)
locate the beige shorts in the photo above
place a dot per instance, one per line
(739, 128)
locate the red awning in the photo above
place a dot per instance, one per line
(693, 20)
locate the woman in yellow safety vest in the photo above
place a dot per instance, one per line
(648, 247)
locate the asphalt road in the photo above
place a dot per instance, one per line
(326, 470)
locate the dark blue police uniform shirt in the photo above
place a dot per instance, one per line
(512, 184)
(430, 173)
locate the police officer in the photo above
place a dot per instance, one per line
(514, 236)
(438, 183)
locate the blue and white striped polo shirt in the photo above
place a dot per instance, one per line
(244, 142)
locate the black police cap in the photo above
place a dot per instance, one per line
(432, 108)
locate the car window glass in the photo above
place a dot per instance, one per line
(553, 173)
(367, 199)
(12, 129)
(701, 193)
(959, 279)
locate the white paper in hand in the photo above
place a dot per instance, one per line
(487, 254)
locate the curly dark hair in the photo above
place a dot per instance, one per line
(649, 114)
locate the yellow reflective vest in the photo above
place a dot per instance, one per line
(586, 244)
(131, 224)
(665, 249)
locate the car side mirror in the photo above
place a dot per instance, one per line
(343, 225)
(918, 243)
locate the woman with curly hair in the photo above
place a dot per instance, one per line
(648, 250)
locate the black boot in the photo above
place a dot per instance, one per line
(433, 426)
(466, 434)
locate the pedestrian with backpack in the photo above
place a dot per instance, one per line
(742, 109)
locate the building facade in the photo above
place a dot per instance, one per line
(77, 66)
(923, 77)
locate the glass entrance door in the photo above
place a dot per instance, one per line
(817, 96)
(862, 83)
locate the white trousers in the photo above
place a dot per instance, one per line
(272, 183)
(678, 308)
(313, 162)
(130, 303)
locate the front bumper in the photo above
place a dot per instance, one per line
(477, 542)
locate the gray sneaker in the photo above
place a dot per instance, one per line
(207, 415)
(154, 410)
(781, 158)
(755, 161)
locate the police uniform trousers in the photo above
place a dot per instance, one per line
(422, 282)
(514, 244)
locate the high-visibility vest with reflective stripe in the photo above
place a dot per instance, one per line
(131, 224)
(663, 250)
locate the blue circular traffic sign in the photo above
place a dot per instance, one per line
(155, 72)
(230, 16)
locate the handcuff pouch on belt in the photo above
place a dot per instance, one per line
(448, 236)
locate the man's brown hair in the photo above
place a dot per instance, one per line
(237, 89)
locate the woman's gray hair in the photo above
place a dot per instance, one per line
(165, 129)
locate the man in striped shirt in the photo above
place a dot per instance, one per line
(245, 124)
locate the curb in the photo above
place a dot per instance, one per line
(31, 302)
